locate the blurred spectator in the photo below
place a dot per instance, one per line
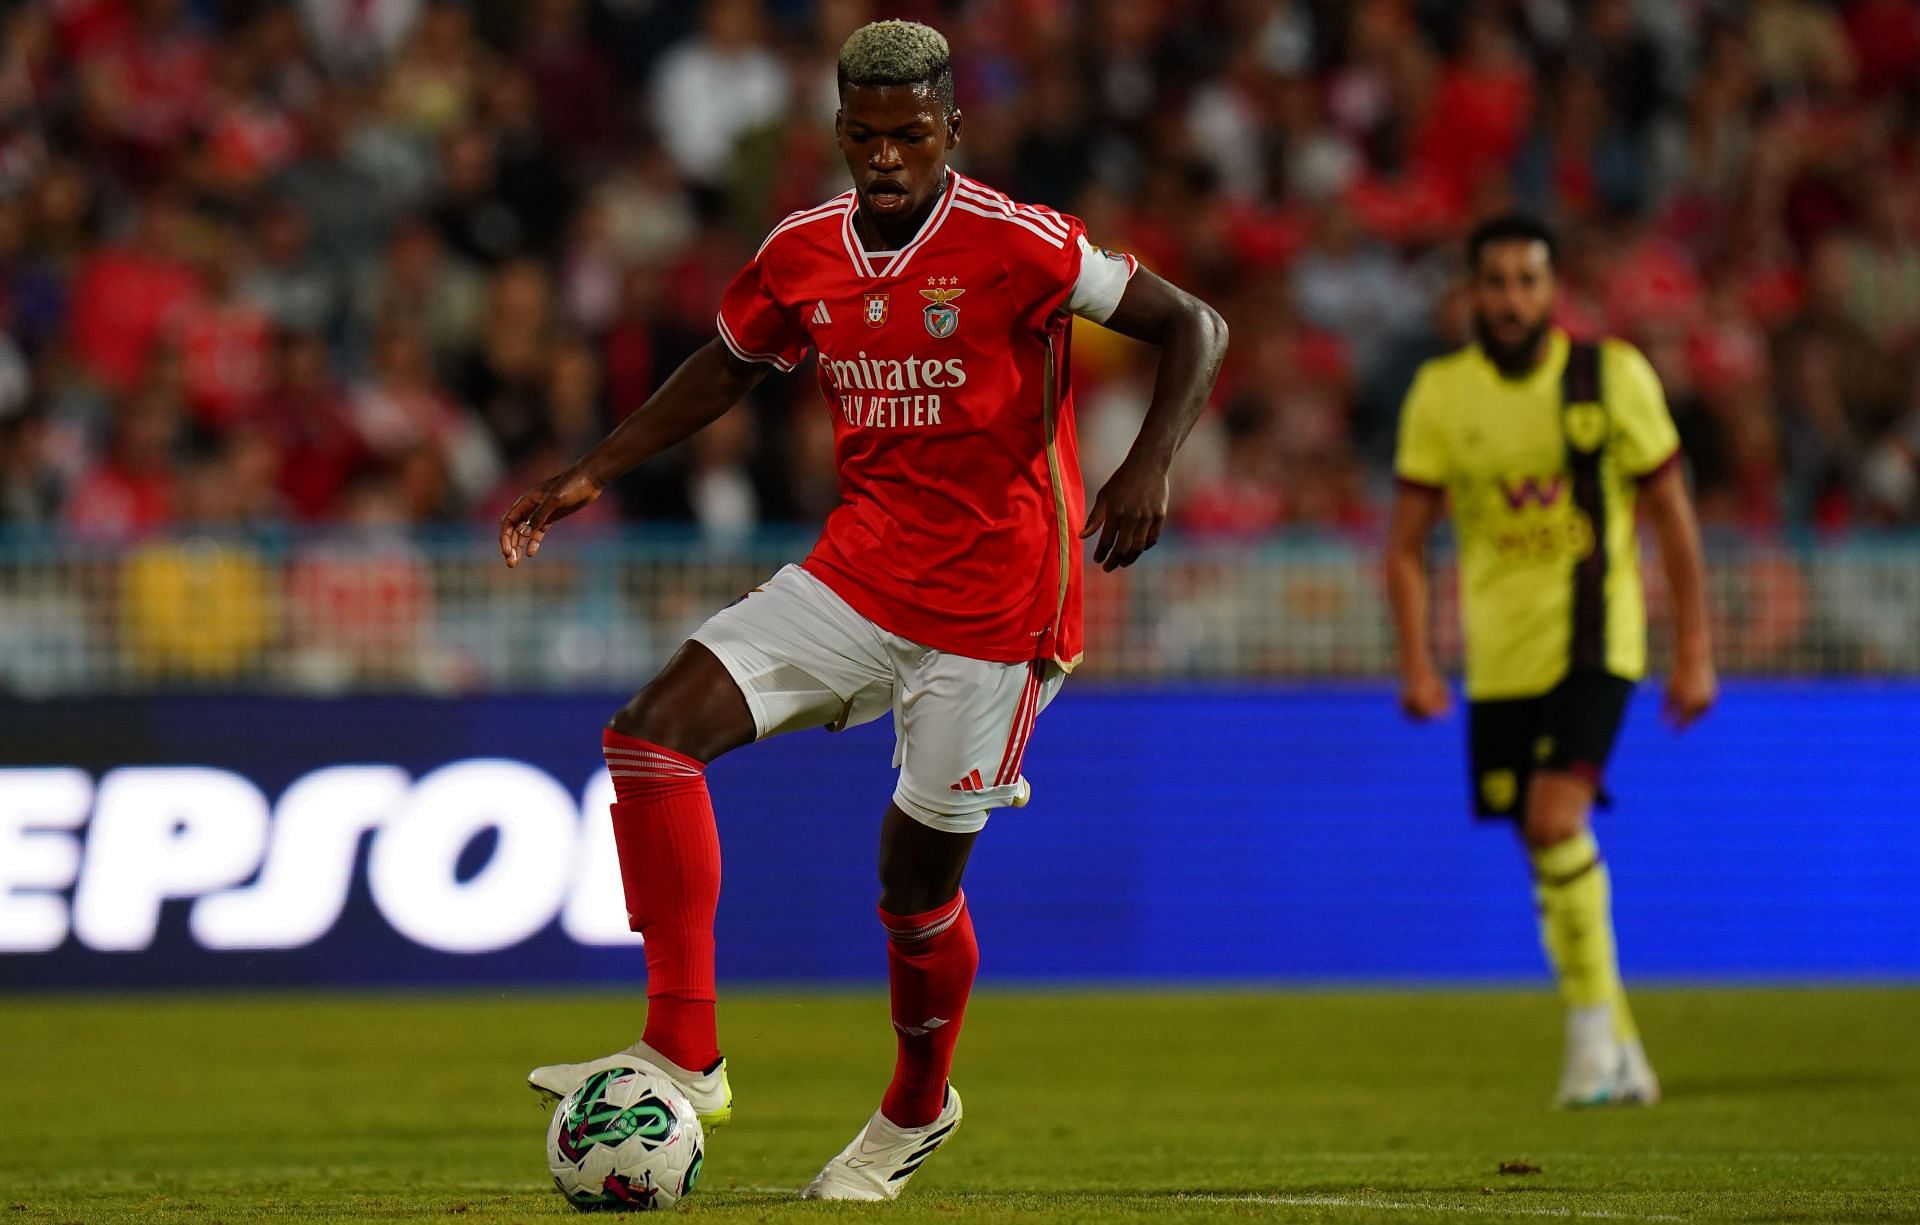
(127, 297)
(632, 368)
(720, 488)
(1353, 287)
(145, 72)
(644, 206)
(320, 446)
(295, 290)
(579, 96)
(132, 490)
(419, 280)
(29, 486)
(475, 218)
(32, 289)
(1244, 501)
(345, 201)
(431, 84)
(712, 89)
(504, 376)
(355, 37)
(251, 131)
(226, 341)
(407, 420)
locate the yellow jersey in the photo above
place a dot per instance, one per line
(1542, 472)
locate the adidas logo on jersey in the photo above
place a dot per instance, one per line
(970, 783)
(820, 315)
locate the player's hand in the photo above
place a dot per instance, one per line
(1424, 696)
(1691, 691)
(525, 524)
(1128, 513)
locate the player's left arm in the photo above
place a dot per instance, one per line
(1131, 507)
(1692, 687)
(1648, 449)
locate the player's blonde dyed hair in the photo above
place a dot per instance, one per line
(898, 53)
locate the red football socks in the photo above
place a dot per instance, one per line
(931, 959)
(670, 871)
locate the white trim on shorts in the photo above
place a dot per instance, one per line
(803, 657)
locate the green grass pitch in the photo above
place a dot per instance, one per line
(1218, 1106)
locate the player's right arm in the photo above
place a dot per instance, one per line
(756, 331)
(1420, 464)
(705, 386)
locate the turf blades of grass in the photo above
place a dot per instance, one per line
(1795, 1105)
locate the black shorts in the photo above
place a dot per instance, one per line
(1571, 727)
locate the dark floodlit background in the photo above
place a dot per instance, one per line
(296, 296)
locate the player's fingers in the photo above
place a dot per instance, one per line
(522, 505)
(1095, 514)
(536, 524)
(1127, 544)
(1109, 532)
(510, 540)
(1123, 537)
(1153, 532)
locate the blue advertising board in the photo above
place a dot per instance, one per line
(1190, 834)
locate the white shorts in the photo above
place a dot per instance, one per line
(804, 658)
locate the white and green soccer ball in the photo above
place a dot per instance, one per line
(627, 1140)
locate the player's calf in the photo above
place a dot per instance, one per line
(669, 850)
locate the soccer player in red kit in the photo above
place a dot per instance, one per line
(945, 587)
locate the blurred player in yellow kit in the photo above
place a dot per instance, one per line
(1546, 448)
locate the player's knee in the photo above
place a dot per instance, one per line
(916, 897)
(1558, 804)
(913, 883)
(648, 718)
(693, 707)
(658, 718)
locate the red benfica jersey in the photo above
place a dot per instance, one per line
(945, 364)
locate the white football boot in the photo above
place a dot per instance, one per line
(1635, 1084)
(1592, 1062)
(1601, 1070)
(711, 1095)
(877, 1165)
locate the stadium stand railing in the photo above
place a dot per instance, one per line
(439, 614)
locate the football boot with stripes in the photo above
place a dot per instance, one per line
(883, 1157)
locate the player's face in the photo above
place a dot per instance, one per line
(1513, 290)
(895, 139)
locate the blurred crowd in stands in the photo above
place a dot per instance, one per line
(387, 262)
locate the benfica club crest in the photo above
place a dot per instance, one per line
(876, 309)
(941, 314)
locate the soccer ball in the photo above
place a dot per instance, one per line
(627, 1140)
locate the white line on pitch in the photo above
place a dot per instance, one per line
(1344, 1201)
